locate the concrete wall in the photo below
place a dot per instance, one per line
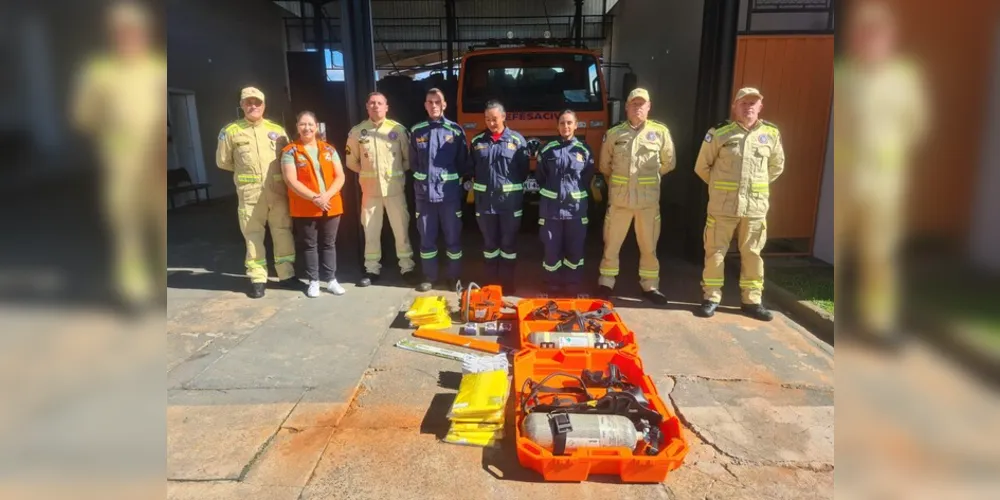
(661, 41)
(214, 48)
(823, 242)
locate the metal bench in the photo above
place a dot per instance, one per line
(179, 181)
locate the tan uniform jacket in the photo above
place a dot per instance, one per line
(252, 153)
(633, 161)
(739, 165)
(380, 156)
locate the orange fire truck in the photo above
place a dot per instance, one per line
(534, 84)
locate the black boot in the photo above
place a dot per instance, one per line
(603, 292)
(424, 285)
(655, 297)
(707, 309)
(257, 290)
(368, 280)
(757, 311)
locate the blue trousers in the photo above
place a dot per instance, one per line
(562, 241)
(500, 244)
(447, 217)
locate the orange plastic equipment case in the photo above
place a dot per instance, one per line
(579, 464)
(527, 306)
(612, 326)
(613, 331)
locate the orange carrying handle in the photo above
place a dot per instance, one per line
(458, 340)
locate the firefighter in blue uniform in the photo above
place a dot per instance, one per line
(565, 169)
(499, 158)
(439, 160)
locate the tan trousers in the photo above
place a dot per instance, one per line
(874, 234)
(254, 213)
(751, 235)
(647, 234)
(373, 210)
(131, 215)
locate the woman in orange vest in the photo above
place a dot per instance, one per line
(315, 176)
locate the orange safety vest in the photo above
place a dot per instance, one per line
(306, 174)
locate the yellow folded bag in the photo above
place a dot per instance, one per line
(492, 418)
(481, 394)
(476, 427)
(474, 438)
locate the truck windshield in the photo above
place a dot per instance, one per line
(532, 82)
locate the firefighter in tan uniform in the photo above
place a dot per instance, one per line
(250, 149)
(378, 150)
(118, 102)
(739, 159)
(635, 155)
(880, 115)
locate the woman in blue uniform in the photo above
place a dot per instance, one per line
(564, 171)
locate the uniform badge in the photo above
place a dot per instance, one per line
(651, 136)
(393, 135)
(511, 146)
(272, 135)
(300, 158)
(328, 156)
(222, 135)
(421, 139)
(449, 138)
(364, 132)
(579, 157)
(480, 146)
(762, 139)
(708, 137)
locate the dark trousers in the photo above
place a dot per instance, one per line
(445, 217)
(499, 244)
(317, 240)
(563, 242)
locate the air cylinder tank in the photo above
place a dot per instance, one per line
(589, 431)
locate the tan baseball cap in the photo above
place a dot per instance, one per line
(251, 92)
(747, 91)
(643, 93)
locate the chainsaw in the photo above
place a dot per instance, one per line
(483, 304)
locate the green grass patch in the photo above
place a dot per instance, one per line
(809, 283)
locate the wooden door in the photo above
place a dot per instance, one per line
(795, 74)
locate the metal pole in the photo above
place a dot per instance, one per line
(449, 7)
(359, 78)
(578, 24)
(359, 55)
(729, 18)
(319, 38)
(715, 80)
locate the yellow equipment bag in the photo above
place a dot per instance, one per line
(429, 312)
(474, 438)
(459, 427)
(493, 418)
(481, 394)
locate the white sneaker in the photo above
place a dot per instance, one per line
(335, 288)
(313, 290)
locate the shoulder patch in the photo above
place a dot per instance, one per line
(708, 137)
(222, 133)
